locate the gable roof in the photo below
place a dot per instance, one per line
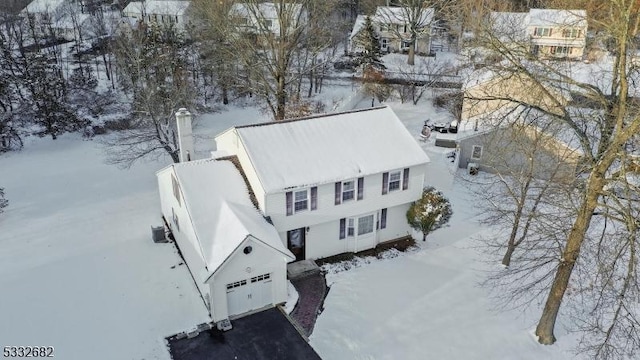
(557, 17)
(43, 6)
(329, 147)
(157, 7)
(509, 26)
(266, 10)
(398, 15)
(221, 212)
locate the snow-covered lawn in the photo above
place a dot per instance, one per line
(428, 304)
(78, 269)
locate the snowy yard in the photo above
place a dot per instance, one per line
(79, 271)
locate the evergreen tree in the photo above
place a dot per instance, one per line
(369, 41)
(430, 212)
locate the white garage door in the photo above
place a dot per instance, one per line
(249, 294)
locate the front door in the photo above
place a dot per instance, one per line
(295, 242)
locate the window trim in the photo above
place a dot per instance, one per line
(399, 180)
(352, 191)
(371, 227)
(350, 227)
(473, 152)
(296, 201)
(542, 31)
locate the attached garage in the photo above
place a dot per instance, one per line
(236, 257)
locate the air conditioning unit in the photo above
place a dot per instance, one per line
(224, 325)
(158, 234)
(473, 168)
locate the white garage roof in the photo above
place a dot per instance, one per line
(328, 148)
(221, 211)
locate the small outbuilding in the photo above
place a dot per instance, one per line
(236, 257)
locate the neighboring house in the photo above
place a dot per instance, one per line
(393, 25)
(161, 12)
(548, 33)
(488, 95)
(262, 18)
(235, 256)
(550, 154)
(45, 12)
(332, 183)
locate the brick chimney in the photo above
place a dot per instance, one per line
(185, 136)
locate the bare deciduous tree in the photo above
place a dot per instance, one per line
(605, 136)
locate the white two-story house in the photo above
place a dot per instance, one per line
(161, 12)
(393, 27)
(548, 33)
(282, 191)
(268, 19)
(557, 33)
(332, 183)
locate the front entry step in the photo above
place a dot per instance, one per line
(301, 269)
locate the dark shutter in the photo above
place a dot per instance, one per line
(289, 203)
(385, 183)
(338, 192)
(360, 188)
(405, 179)
(314, 198)
(383, 218)
(550, 31)
(343, 227)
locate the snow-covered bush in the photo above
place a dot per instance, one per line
(430, 212)
(3, 202)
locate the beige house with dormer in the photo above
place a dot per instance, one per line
(551, 33)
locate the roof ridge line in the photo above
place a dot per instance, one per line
(315, 116)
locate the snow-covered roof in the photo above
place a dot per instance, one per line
(358, 25)
(330, 147)
(265, 10)
(43, 6)
(157, 7)
(557, 17)
(509, 25)
(400, 15)
(221, 211)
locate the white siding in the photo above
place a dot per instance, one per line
(240, 266)
(185, 236)
(327, 210)
(231, 143)
(323, 240)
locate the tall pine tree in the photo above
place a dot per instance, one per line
(369, 41)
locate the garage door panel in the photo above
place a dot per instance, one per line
(250, 294)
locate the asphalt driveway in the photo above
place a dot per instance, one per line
(267, 335)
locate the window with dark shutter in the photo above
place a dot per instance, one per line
(343, 225)
(385, 183)
(383, 218)
(289, 196)
(338, 192)
(360, 188)
(405, 179)
(314, 198)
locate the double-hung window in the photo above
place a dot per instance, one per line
(301, 201)
(395, 180)
(570, 33)
(476, 152)
(348, 190)
(350, 226)
(542, 32)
